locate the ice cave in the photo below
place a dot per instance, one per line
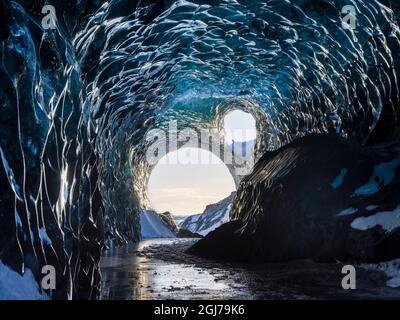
(89, 89)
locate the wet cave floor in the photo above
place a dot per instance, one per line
(160, 269)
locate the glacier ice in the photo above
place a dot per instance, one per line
(152, 226)
(76, 102)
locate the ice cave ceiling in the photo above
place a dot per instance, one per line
(77, 101)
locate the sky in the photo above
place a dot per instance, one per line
(184, 184)
(239, 126)
(186, 189)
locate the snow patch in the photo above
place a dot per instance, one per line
(388, 220)
(339, 179)
(383, 175)
(390, 268)
(18, 220)
(347, 212)
(43, 235)
(10, 175)
(14, 286)
(213, 216)
(179, 220)
(220, 218)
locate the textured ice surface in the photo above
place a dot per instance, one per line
(77, 101)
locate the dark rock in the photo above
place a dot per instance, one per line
(319, 197)
(166, 217)
(183, 233)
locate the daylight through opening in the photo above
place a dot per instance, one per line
(240, 132)
(185, 181)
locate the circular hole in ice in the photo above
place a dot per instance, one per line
(185, 181)
(240, 132)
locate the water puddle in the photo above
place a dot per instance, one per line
(160, 269)
(127, 274)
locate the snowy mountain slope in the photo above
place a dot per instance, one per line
(154, 226)
(180, 219)
(213, 216)
(190, 223)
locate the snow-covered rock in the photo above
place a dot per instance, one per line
(179, 220)
(154, 225)
(213, 216)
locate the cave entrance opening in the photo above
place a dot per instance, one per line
(185, 181)
(240, 132)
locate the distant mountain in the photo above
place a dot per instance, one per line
(213, 216)
(157, 225)
(242, 149)
(179, 220)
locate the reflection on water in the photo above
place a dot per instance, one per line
(122, 268)
(127, 274)
(159, 269)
